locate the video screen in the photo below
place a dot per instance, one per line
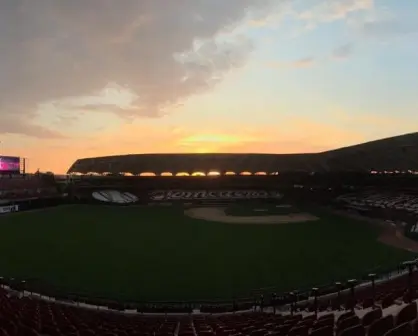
(9, 165)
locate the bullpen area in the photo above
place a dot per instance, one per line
(163, 253)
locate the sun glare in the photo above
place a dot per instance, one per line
(210, 143)
(204, 150)
(212, 138)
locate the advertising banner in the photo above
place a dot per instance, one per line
(164, 195)
(9, 208)
(131, 197)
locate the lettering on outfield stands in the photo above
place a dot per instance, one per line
(9, 208)
(115, 196)
(162, 195)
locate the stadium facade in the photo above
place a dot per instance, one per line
(398, 153)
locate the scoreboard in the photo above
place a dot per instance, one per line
(9, 165)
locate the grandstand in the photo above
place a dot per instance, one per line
(393, 154)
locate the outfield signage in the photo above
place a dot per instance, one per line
(115, 196)
(9, 208)
(163, 195)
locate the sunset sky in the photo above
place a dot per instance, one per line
(82, 78)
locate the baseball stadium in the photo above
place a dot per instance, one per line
(213, 244)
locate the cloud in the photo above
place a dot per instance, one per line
(52, 50)
(390, 28)
(16, 125)
(328, 11)
(387, 22)
(306, 62)
(162, 51)
(307, 15)
(302, 63)
(342, 52)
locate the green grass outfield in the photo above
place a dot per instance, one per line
(157, 254)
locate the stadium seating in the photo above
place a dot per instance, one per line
(390, 200)
(388, 308)
(23, 316)
(383, 295)
(21, 187)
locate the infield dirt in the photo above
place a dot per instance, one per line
(219, 215)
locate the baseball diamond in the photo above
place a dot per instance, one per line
(247, 231)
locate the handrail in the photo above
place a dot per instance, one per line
(193, 305)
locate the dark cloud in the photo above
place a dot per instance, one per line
(19, 125)
(342, 52)
(52, 49)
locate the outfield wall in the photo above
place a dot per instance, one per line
(129, 196)
(7, 207)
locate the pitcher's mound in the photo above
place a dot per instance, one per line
(219, 215)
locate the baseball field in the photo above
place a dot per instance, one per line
(169, 253)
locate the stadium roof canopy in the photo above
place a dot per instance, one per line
(398, 153)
